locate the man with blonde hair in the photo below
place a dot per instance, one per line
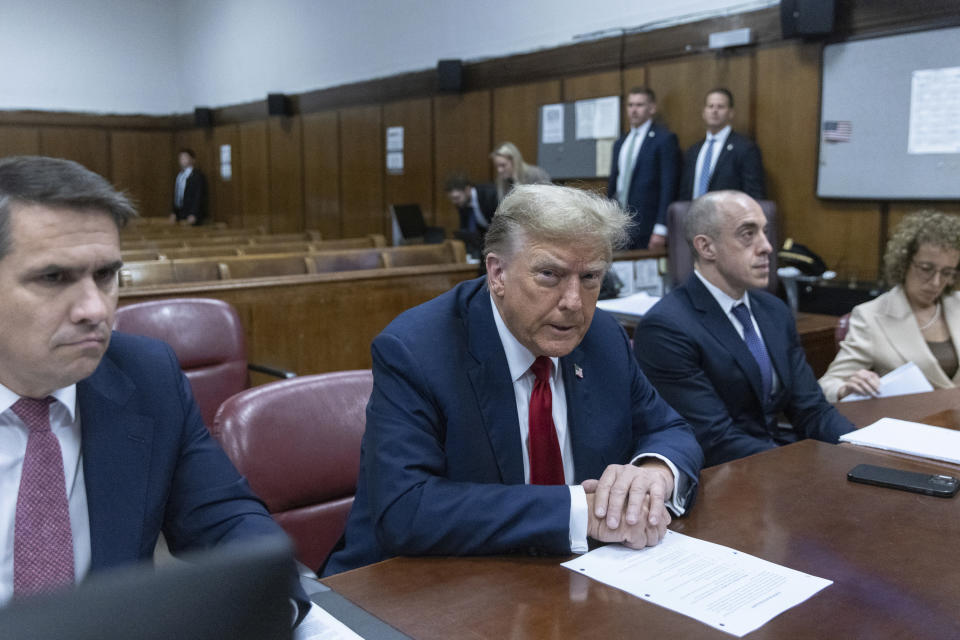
(507, 416)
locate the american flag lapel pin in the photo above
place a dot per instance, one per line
(577, 371)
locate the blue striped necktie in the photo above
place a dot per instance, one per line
(757, 348)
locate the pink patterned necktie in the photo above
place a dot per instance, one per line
(42, 540)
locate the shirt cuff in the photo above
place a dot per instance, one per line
(660, 230)
(678, 499)
(578, 519)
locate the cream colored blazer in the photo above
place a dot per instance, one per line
(884, 335)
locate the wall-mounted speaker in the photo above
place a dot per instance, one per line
(449, 75)
(807, 18)
(279, 105)
(203, 117)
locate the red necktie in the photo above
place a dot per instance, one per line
(546, 465)
(42, 539)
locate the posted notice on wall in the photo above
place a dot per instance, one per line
(719, 586)
(597, 118)
(551, 124)
(934, 111)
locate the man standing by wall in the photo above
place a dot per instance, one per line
(189, 191)
(644, 171)
(724, 159)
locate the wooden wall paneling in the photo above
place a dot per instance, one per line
(593, 85)
(900, 210)
(19, 141)
(462, 143)
(286, 174)
(516, 114)
(254, 175)
(362, 170)
(321, 173)
(415, 184)
(584, 87)
(142, 165)
(845, 233)
(680, 85)
(86, 145)
(208, 161)
(226, 194)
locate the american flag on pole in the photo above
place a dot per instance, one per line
(837, 130)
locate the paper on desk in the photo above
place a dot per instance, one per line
(914, 438)
(719, 586)
(320, 625)
(907, 378)
(635, 305)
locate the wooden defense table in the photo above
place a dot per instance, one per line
(893, 557)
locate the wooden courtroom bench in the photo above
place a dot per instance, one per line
(301, 246)
(317, 322)
(237, 239)
(179, 271)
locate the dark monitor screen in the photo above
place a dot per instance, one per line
(410, 220)
(236, 592)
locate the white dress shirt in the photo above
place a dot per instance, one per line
(727, 304)
(65, 424)
(519, 360)
(181, 185)
(719, 139)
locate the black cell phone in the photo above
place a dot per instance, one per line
(929, 484)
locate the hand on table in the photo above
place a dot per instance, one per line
(626, 504)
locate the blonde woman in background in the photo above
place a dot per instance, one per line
(511, 169)
(917, 321)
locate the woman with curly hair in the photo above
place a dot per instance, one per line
(918, 320)
(511, 169)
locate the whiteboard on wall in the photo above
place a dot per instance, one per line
(890, 118)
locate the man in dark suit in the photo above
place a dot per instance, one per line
(725, 354)
(476, 205)
(101, 444)
(644, 171)
(724, 159)
(491, 398)
(189, 191)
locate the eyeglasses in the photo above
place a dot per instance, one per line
(926, 271)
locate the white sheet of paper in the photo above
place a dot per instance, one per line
(719, 586)
(634, 305)
(606, 121)
(551, 123)
(934, 111)
(907, 378)
(394, 138)
(624, 270)
(914, 438)
(585, 114)
(320, 625)
(395, 162)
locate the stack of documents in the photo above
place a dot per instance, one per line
(914, 438)
(634, 306)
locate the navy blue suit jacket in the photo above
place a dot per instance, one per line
(698, 362)
(738, 167)
(150, 465)
(654, 183)
(441, 470)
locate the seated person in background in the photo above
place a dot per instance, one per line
(724, 159)
(917, 321)
(476, 204)
(512, 170)
(101, 443)
(491, 398)
(726, 354)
